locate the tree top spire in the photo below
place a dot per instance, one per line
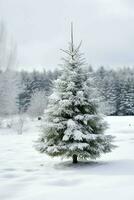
(72, 50)
(72, 39)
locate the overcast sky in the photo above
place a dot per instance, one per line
(41, 27)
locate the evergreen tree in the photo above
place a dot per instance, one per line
(126, 106)
(106, 84)
(73, 127)
(26, 92)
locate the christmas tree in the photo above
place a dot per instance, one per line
(72, 126)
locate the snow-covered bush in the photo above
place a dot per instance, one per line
(6, 123)
(16, 123)
(38, 104)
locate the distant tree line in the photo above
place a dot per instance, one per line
(116, 88)
(24, 91)
(28, 91)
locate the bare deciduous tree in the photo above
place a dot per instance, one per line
(8, 49)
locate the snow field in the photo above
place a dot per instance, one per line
(26, 174)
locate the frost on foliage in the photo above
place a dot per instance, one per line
(37, 104)
(72, 124)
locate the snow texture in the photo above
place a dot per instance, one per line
(26, 174)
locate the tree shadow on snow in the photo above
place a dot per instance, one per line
(109, 168)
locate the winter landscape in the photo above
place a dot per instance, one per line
(26, 174)
(66, 119)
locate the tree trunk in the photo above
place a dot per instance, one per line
(75, 159)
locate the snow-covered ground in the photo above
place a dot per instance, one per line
(26, 174)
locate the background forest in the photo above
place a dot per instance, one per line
(30, 90)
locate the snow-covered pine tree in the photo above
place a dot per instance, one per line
(72, 126)
(126, 106)
(106, 84)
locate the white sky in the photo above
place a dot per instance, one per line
(42, 27)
